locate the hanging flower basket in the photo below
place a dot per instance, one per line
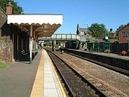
(123, 53)
(107, 51)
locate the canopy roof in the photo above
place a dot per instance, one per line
(44, 25)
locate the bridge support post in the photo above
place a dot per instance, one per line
(85, 46)
(80, 45)
(53, 44)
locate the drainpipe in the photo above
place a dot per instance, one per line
(30, 44)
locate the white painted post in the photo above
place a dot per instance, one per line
(31, 43)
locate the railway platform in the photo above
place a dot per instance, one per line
(47, 79)
(111, 55)
(107, 54)
(38, 79)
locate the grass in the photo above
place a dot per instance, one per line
(3, 65)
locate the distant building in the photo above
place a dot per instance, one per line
(112, 33)
(86, 36)
(112, 36)
(123, 34)
(83, 31)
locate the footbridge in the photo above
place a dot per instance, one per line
(82, 38)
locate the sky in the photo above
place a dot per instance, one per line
(111, 13)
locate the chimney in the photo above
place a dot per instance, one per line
(9, 8)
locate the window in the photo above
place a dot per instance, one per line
(128, 34)
(123, 34)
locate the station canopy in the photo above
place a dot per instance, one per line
(43, 25)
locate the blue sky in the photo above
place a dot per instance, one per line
(112, 13)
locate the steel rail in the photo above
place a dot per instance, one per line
(83, 80)
(122, 71)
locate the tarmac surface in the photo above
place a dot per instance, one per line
(17, 80)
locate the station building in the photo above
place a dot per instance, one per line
(19, 33)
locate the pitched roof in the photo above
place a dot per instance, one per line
(123, 28)
(82, 29)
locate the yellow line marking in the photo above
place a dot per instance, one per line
(37, 90)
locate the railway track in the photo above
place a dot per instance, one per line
(76, 85)
(120, 70)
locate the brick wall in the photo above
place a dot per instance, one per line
(6, 46)
(123, 34)
(6, 49)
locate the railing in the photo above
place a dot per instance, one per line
(66, 37)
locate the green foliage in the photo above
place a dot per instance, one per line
(16, 9)
(3, 65)
(91, 39)
(48, 43)
(98, 30)
(3, 4)
(121, 26)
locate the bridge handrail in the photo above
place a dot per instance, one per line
(66, 37)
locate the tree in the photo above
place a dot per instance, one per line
(98, 30)
(3, 4)
(121, 26)
(16, 9)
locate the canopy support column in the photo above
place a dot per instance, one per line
(31, 43)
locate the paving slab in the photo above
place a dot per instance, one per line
(17, 80)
